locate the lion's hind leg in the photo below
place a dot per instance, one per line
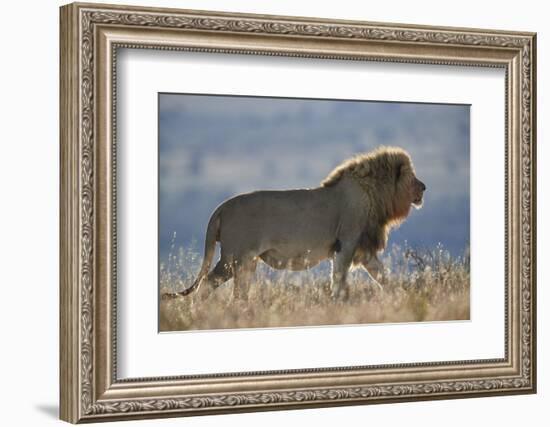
(221, 273)
(244, 272)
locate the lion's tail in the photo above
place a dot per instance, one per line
(212, 235)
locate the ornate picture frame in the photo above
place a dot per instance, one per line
(90, 37)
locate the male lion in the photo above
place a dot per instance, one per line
(347, 219)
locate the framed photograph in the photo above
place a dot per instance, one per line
(266, 212)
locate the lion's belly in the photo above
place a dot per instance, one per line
(296, 261)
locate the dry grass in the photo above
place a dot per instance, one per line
(424, 285)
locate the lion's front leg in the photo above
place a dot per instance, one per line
(340, 267)
(375, 268)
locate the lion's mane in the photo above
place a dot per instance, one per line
(385, 175)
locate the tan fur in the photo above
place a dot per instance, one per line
(347, 219)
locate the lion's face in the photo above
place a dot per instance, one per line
(417, 190)
(411, 189)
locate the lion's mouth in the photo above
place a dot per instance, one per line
(418, 201)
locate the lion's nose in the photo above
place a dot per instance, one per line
(422, 186)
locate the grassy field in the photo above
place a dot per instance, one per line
(423, 285)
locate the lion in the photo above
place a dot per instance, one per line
(346, 219)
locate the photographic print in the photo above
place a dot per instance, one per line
(280, 212)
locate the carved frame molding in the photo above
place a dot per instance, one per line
(90, 37)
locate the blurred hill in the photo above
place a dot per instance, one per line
(214, 147)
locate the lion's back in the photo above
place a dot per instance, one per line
(283, 215)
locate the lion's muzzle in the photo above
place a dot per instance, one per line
(419, 189)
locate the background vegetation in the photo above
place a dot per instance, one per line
(423, 285)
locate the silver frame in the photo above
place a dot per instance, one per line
(90, 37)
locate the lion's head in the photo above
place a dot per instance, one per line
(409, 189)
(390, 187)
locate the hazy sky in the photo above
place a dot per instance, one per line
(214, 147)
